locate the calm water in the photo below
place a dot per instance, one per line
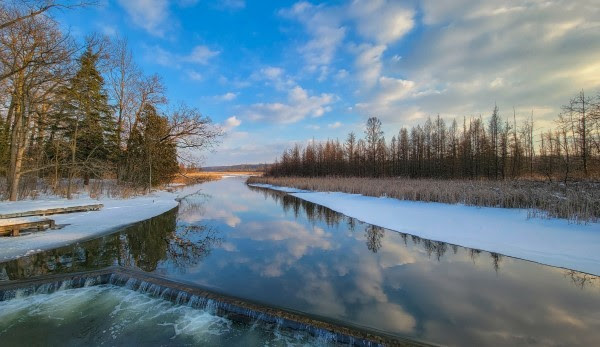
(274, 248)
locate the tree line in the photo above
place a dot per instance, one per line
(72, 110)
(469, 148)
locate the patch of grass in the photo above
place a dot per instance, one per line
(202, 176)
(576, 201)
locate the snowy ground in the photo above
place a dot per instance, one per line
(116, 214)
(509, 232)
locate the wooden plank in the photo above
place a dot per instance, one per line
(15, 229)
(49, 211)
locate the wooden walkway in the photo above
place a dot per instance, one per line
(14, 228)
(49, 211)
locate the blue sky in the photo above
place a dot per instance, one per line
(274, 73)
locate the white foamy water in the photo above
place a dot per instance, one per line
(111, 315)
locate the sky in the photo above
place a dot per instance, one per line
(275, 73)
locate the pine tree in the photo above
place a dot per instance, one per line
(152, 158)
(91, 128)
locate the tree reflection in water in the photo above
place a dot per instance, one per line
(582, 280)
(374, 235)
(144, 245)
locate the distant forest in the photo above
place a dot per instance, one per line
(468, 148)
(78, 111)
(239, 168)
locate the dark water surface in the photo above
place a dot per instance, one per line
(273, 248)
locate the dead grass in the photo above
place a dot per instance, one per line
(33, 188)
(201, 176)
(577, 201)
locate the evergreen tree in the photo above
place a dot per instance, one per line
(88, 116)
(152, 155)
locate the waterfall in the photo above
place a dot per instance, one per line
(169, 291)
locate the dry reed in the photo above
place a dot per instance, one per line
(577, 201)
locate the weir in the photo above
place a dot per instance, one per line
(193, 296)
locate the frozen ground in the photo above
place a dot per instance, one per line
(116, 214)
(509, 232)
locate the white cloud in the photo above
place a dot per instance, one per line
(393, 89)
(368, 62)
(229, 96)
(497, 82)
(161, 56)
(272, 73)
(107, 29)
(533, 55)
(530, 54)
(323, 25)
(200, 55)
(193, 75)
(341, 74)
(151, 15)
(275, 76)
(231, 122)
(296, 240)
(382, 21)
(334, 125)
(299, 106)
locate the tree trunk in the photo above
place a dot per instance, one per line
(15, 143)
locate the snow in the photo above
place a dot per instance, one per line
(44, 203)
(115, 215)
(279, 188)
(555, 242)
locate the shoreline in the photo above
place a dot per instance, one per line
(578, 202)
(507, 231)
(116, 215)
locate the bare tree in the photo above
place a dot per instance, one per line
(189, 129)
(373, 135)
(14, 14)
(581, 107)
(123, 78)
(37, 50)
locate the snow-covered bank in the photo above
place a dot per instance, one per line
(509, 232)
(116, 214)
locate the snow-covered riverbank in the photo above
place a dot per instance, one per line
(116, 214)
(509, 232)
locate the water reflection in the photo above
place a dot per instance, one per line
(373, 234)
(274, 248)
(313, 212)
(144, 245)
(582, 280)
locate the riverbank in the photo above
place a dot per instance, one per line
(115, 215)
(512, 232)
(577, 201)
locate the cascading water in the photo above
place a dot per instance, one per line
(130, 302)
